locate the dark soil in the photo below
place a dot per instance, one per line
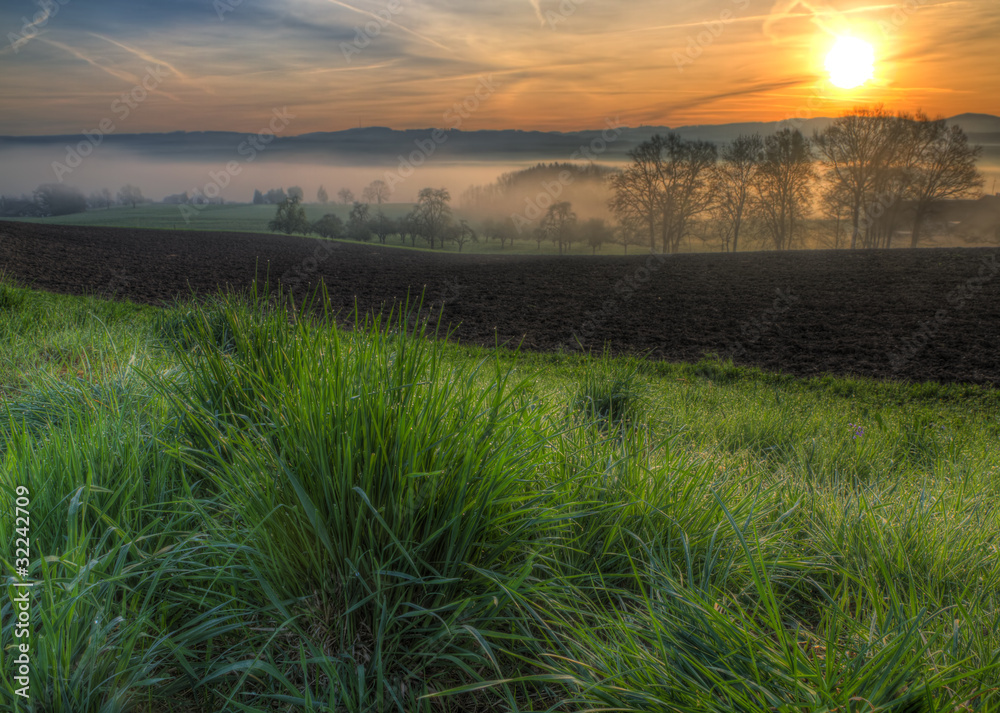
(918, 315)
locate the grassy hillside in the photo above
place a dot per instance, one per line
(237, 509)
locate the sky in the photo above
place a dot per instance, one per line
(563, 65)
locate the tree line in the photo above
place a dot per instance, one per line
(872, 173)
(52, 199)
(431, 221)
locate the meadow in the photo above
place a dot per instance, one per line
(238, 507)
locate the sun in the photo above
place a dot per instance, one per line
(850, 63)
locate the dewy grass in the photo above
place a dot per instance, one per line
(234, 507)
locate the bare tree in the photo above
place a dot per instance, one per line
(946, 169)
(346, 196)
(630, 231)
(636, 189)
(596, 232)
(666, 186)
(376, 192)
(784, 183)
(432, 214)
(733, 187)
(855, 150)
(502, 230)
(464, 234)
(359, 223)
(130, 195)
(382, 226)
(558, 224)
(686, 192)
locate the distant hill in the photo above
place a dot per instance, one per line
(383, 146)
(977, 123)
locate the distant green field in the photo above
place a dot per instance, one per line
(232, 217)
(247, 218)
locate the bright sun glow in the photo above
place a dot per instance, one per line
(850, 63)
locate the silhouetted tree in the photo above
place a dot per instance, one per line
(854, 150)
(101, 199)
(946, 168)
(130, 195)
(733, 186)
(629, 232)
(276, 196)
(258, 197)
(432, 214)
(383, 226)
(596, 232)
(346, 196)
(329, 226)
(376, 192)
(464, 234)
(290, 217)
(558, 224)
(783, 185)
(59, 199)
(502, 230)
(297, 192)
(322, 196)
(665, 187)
(636, 190)
(358, 223)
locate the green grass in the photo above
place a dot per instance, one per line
(235, 509)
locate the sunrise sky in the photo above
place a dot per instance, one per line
(226, 64)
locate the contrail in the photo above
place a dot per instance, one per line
(118, 74)
(124, 76)
(537, 4)
(394, 24)
(146, 57)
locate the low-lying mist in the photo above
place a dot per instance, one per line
(25, 169)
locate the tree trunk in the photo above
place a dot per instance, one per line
(918, 220)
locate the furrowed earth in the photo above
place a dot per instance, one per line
(915, 315)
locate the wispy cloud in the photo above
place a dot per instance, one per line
(146, 57)
(391, 22)
(117, 73)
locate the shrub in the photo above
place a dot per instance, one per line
(329, 226)
(290, 218)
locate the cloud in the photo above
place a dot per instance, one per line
(393, 23)
(117, 73)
